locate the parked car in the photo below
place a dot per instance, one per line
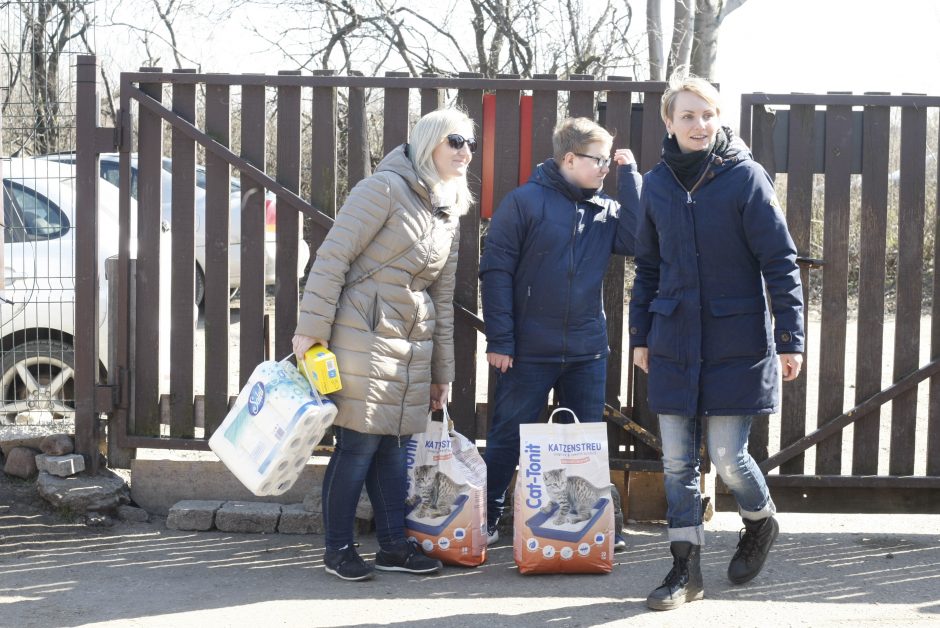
(37, 299)
(109, 167)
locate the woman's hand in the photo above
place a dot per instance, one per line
(790, 364)
(641, 358)
(439, 394)
(500, 361)
(302, 343)
(624, 156)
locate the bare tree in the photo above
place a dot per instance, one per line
(654, 32)
(33, 51)
(680, 51)
(709, 14)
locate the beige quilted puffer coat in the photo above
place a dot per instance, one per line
(381, 293)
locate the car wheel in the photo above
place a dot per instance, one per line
(200, 284)
(37, 376)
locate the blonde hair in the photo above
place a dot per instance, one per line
(432, 129)
(681, 81)
(573, 135)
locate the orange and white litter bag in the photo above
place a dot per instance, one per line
(563, 513)
(445, 511)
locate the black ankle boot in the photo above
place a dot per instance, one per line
(683, 583)
(753, 545)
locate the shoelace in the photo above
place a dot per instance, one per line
(748, 544)
(674, 577)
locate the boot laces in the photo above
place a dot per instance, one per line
(676, 576)
(748, 544)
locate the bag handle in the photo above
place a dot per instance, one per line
(568, 410)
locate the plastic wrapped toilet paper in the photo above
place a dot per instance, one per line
(268, 435)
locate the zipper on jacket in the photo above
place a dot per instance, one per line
(698, 183)
(414, 321)
(564, 328)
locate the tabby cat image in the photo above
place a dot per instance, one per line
(575, 496)
(436, 491)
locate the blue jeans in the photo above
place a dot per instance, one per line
(521, 393)
(378, 461)
(727, 448)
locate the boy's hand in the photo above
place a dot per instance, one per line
(641, 358)
(624, 156)
(500, 361)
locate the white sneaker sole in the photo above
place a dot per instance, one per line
(368, 576)
(406, 570)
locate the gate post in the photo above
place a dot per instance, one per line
(86, 261)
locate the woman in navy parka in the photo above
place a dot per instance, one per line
(710, 239)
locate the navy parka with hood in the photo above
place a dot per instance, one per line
(703, 259)
(543, 265)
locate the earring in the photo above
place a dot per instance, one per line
(669, 135)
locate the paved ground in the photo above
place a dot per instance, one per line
(825, 570)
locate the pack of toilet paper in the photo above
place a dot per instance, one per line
(269, 434)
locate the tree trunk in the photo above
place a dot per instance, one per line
(709, 14)
(654, 32)
(681, 49)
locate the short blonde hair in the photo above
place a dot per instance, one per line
(573, 135)
(432, 129)
(680, 82)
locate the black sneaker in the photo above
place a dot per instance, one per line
(406, 557)
(492, 534)
(754, 544)
(346, 563)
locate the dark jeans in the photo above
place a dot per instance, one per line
(521, 393)
(377, 461)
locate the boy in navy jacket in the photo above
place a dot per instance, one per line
(542, 276)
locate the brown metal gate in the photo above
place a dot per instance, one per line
(870, 195)
(321, 132)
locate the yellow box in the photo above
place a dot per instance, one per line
(321, 370)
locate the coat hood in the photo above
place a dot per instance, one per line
(398, 162)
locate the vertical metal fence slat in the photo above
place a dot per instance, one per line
(544, 119)
(762, 130)
(618, 124)
(251, 314)
(218, 228)
(182, 197)
(358, 163)
(149, 218)
(581, 102)
(466, 290)
(647, 153)
(835, 283)
(431, 97)
(653, 131)
(871, 284)
(933, 409)
(323, 153)
(802, 140)
(506, 177)
(86, 261)
(287, 221)
(911, 207)
(395, 121)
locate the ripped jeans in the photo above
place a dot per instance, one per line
(727, 449)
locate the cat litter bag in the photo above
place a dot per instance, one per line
(562, 510)
(445, 511)
(268, 435)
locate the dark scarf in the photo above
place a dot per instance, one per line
(689, 166)
(553, 175)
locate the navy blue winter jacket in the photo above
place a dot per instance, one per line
(703, 260)
(543, 264)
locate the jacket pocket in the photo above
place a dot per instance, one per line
(738, 327)
(663, 336)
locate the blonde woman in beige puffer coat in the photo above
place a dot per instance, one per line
(380, 295)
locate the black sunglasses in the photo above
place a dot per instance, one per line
(456, 142)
